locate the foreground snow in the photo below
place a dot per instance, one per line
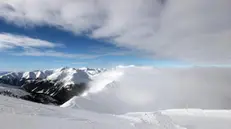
(20, 114)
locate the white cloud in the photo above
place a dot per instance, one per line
(34, 47)
(9, 41)
(79, 63)
(53, 53)
(193, 30)
(140, 89)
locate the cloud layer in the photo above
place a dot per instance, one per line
(142, 89)
(193, 30)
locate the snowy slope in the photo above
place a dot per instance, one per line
(70, 76)
(46, 117)
(12, 90)
(19, 114)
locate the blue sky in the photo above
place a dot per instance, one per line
(109, 55)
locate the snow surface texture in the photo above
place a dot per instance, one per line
(20, 114)
(136, 89)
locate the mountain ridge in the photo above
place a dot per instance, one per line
(60, 84)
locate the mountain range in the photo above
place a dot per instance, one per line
(51, 86)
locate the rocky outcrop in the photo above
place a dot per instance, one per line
(56, 90)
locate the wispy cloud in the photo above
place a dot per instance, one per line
(53, 53)
(10, 41)
(79, 63)
(35, 47)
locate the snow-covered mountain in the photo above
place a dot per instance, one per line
(61, 84)
(65, 74)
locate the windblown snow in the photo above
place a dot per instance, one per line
(141, 89)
